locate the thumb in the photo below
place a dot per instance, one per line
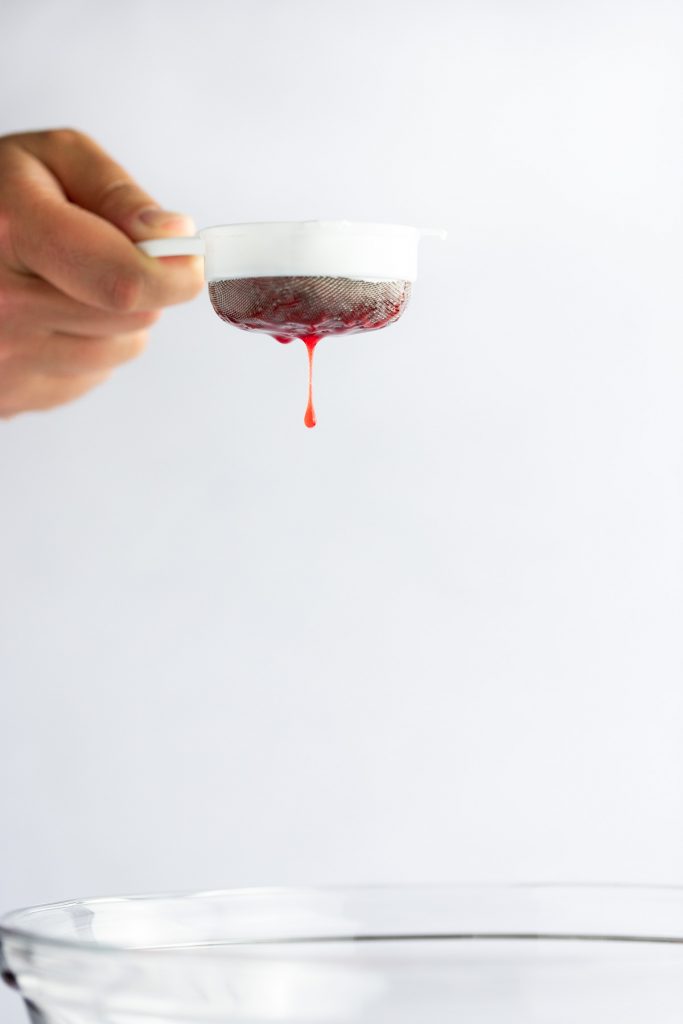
(90, 178)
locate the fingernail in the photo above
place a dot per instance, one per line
(153, 217)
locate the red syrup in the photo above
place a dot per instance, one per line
(308, 308)
(309, 416)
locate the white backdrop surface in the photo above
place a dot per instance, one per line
(439, 637)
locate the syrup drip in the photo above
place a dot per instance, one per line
(310, 342)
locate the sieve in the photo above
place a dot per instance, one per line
(304, 279)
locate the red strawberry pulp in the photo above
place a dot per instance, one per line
(308, 308)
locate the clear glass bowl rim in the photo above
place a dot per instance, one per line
(16, 925)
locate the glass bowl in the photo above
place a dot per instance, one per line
(386, 955)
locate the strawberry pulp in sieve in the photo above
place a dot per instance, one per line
(308, 308)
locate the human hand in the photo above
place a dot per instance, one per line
(76, 295)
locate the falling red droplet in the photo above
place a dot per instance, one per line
(310, 342)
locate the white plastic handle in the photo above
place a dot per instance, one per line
(190, 246)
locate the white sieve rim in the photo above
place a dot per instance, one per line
(303, 226)
(334, 248)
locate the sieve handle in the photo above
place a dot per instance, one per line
(190, 246)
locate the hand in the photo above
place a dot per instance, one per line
(76, 295)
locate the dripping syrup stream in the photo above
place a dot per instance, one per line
(310, 342)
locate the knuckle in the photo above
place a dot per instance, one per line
(148, 318)
(40, 392)
(93, 357)
(123, 290)
(129, 323)
(60, 392)
(197, 285)
(185, 282)
(116, 195)
(134, 346)
(76, 389)
(65, 136)
(9, 144)
(102, 355)
(192, 282)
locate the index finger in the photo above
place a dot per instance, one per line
(93, 262)
(77, 250)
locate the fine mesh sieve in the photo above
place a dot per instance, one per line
(304, 279)
(301, 306)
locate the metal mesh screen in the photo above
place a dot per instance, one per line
(296, 307)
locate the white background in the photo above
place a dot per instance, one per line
(439, 637)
